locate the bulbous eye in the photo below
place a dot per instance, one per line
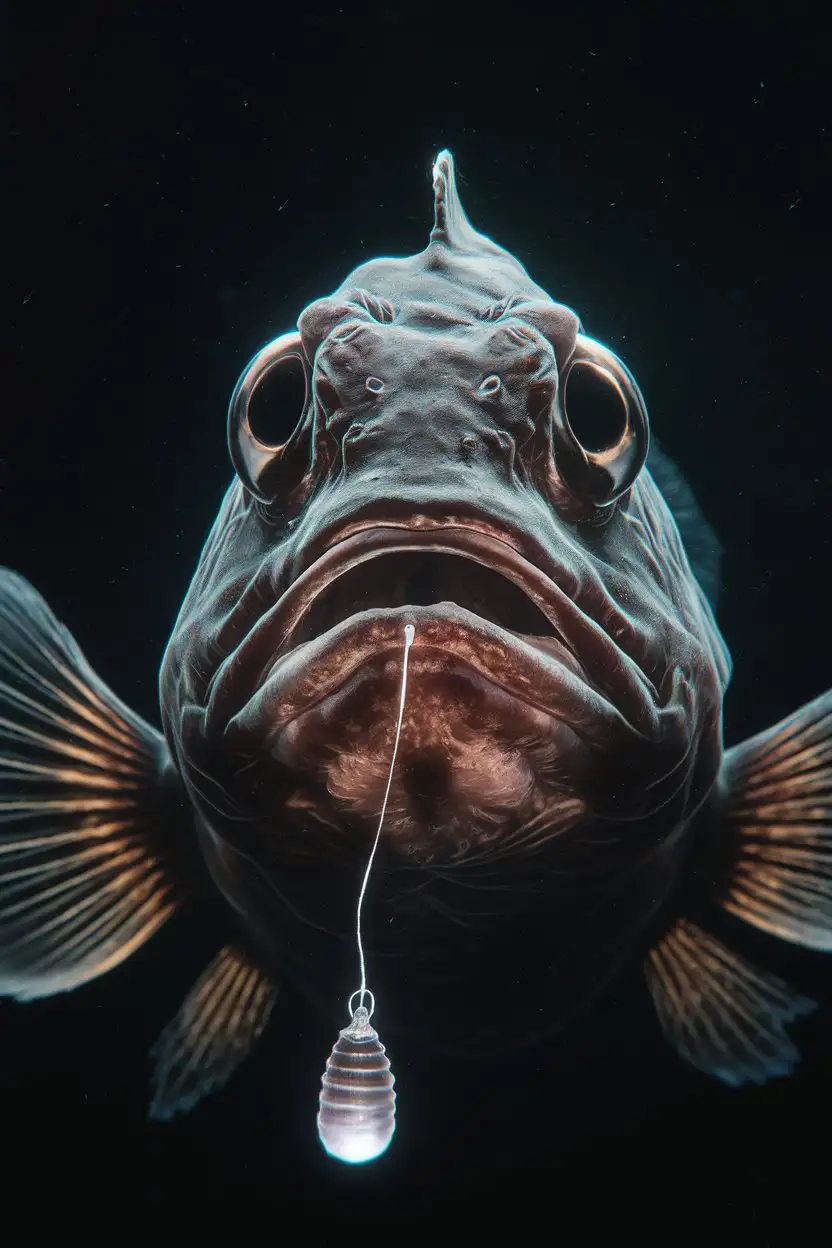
(595, 407)
(374, 384)
(600, 428)
(277, 399)
(490, 387)
(266, 407)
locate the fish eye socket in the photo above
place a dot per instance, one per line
(374, 384)
(595, 408)
(277, 401)
(491, 386)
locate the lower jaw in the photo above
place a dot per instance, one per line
(324, 670)
(446, 702)
(470, 757)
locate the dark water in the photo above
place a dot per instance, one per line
(181, 186)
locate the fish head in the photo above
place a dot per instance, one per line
(566, 669)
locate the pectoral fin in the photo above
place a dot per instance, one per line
(777, 793)
(771, 841)
(218, 1023)
(92, 818)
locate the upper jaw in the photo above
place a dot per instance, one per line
(415, 520)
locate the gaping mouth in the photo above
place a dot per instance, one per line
(470, 595)
(425, 577)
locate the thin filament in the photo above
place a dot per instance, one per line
(409, 634)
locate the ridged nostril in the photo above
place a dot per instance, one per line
(490, 387)
(345, 332)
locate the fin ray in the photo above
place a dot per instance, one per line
(777, 789)
(86, 795)
(721, 1013)
(219, 1021)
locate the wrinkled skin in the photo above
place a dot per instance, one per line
(562, 723)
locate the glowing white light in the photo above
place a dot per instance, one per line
(357, 1115)
(355, 1142)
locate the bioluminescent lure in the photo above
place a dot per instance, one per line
(357, 1104)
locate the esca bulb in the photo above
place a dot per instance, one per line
(357, 1108)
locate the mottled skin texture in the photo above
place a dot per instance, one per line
(563, 721)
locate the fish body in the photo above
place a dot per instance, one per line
(561, 804)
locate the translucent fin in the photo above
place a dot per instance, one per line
(703, 547)
(722, 1014)
(219, 1021)
(778, 791)
(86, 800)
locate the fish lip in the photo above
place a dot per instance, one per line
(570, 603)
(425, 520)
(374, 634)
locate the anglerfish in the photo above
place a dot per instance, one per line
(562, 805)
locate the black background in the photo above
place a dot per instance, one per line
(182, 182)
